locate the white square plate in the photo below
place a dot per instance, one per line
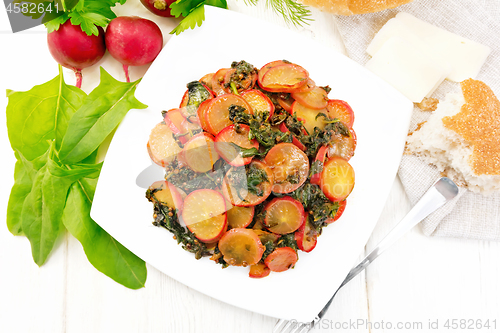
(381, 123)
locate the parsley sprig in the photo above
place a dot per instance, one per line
(193, 11)
(89, 14)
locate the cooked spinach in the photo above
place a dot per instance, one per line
(242, 76)
(247, 179)
(319, 207)
(189, 180)
(166, 217)
(260, 129)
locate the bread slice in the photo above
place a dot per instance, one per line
(350, 7)
(462, 137)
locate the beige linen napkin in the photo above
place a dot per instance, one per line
(469, 215)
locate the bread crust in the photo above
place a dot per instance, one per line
(351, 7)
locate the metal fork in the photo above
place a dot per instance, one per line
(443, 190)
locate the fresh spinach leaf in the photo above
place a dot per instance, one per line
(99, 115)
(104, 252)
(41, 114)
(41, 211)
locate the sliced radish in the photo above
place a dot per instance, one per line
(343, 146)
(258, 271)
(176, 121)
(308, 86)
(286, 103)
(284, 215)
(207, 80)
(268, 66)
(306, 236)
(289, 165)
(241, 247)
(237, 134)
(284, 77)
(162, 147)
(337, 179)
(341, 110)
(281, 259)
(217, 113)
(242, 197)
(240, 217)
(199, 153)
(185, 99)
(339, 213)
(317, 98)
(204, 214)
(308, 116)
(282, 127)
(218, 81)
(167, 194)
(320, 156)
(201, 112)
(258, 101)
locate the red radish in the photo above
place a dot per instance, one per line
(310, 85)
(218, 81)
(281, 259)
(320, 156)
(158, 7)
(217, 113)
(286, 103)
(237, 134)
(284, 215)
(308, 116)
(258, 101)
(337, 179)
(199, 153)
(207, 80)
(343, 146)
(240, 217)
(201, 114)
(306, 236)
(258, 271)
(204, 213)
(74, 49)
(289, 165)
(167, 194)
(284, 78)
(241, 247)
(268, 66)
(162, 147)
(317, 98)
(341, 110)
(339, 213)
(241, 196)
(185, 99)
(133, 41)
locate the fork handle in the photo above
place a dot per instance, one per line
(442, 191)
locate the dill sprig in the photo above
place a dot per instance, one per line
(293, 13)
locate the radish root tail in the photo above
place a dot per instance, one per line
(125, 69)
(78, 74)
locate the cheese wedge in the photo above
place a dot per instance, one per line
(466, 57)
(407, 68)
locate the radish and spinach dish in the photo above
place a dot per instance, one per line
(256, 165)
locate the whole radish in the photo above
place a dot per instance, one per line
(74, 49)
(133, 41)
(158, 7)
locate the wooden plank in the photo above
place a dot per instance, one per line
(422, 279)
